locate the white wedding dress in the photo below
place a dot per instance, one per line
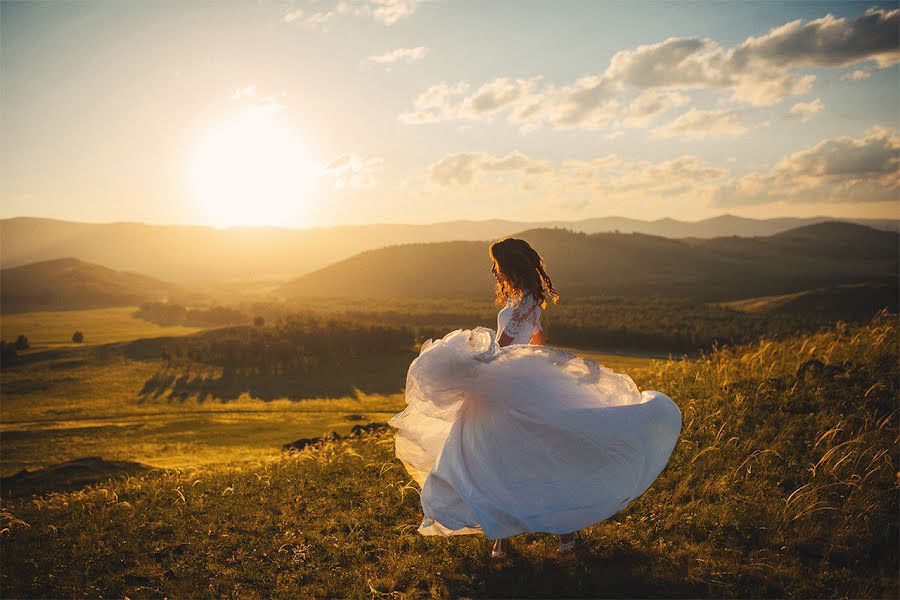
(525, 438)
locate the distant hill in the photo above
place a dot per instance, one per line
(847, 302)
(69, 283)
(716, 269)
(197, 254)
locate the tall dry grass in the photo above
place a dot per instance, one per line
(779, 487)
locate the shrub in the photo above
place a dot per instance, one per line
(22, 343)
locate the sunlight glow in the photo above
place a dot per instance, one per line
(251, 170)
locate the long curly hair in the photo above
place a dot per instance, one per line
(519, 269)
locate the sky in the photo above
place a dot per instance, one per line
(326, 112)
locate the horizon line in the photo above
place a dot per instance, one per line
(448, 222)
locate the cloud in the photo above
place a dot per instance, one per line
(353, 171)
(461, 169)
(760, 71)
(495, 96)
(857, 75)
(650, 104)
(407, 55)
(825, 42)
(260, 103)
(697, 124)
(248, 90)
(292, 16)
(589, 103)
(693, 63)
(804, 111)
(391, 11)
(609, 175)
(319, 20)
(836, 170)
(386, 12)
(435, 104)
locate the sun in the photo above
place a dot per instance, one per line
(251, 170)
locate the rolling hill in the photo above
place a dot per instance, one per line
(846, 302)
(69, 283)
(197, 254)
(716, 269)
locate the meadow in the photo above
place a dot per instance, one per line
(121, 396)
(783, 484)
(45, 329)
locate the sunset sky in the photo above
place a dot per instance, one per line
(317, 113)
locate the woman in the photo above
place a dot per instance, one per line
(506, 436)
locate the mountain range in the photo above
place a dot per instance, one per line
(627, 264)
(196, 254)
(69, 283)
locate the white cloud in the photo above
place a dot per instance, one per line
(804, 111)
(761, 71)
(651, 104)
(463, 168)
(407, 55)
(589, 103)
(857, 75)
(250, 94)
(391, 11)
(697, 124)
(495, 96)
(836, 170)
(293, 15)
(386, 12)
(609, 175)
(825, 42)
(353, 171)
(248, 90)
(436, 104)
(319, 20)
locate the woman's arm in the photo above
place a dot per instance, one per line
(537, 338)
(523, 316)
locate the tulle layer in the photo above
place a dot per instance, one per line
(525, 437)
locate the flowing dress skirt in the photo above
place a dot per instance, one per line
(526, 438)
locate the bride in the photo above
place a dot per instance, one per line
(506, 436)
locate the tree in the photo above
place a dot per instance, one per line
(22, 343)
(7, 353)
(77, 337)
(259, 321)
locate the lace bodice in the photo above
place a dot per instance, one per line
(519, 319)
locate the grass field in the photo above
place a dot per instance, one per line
(67, 408)
(99, 326)
(783, 484)
(623, 363)
(93, 400)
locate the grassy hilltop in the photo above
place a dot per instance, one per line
(783, 484)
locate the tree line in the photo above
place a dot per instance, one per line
(299, 343)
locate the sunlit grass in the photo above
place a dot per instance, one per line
(99, 326)
(58, 410)
(622, 363)
(778, 487)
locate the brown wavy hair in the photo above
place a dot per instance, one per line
(519, 269)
